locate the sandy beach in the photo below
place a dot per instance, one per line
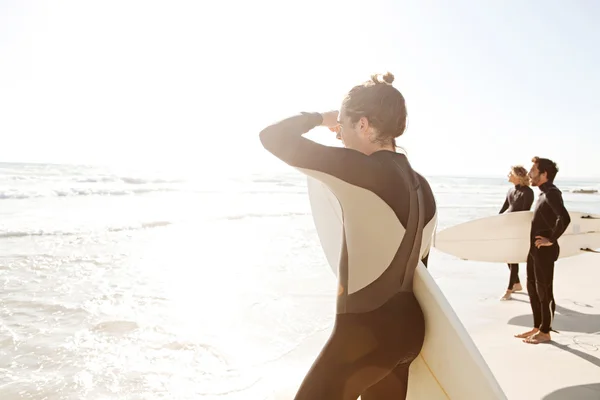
(566, 368)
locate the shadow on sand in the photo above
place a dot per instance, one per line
(579, 392)
(565, 319)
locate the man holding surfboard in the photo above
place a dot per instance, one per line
(550, 220)
(518, 198)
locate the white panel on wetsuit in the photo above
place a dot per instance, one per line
(373, 232)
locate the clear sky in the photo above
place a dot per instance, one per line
(488, 84)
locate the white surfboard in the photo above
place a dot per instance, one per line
(449, 365)
(504, 238)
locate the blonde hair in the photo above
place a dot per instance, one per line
(520, 173)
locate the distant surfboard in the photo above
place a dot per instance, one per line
(504, 238)
(449, 365)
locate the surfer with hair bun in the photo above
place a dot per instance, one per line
(379, 325)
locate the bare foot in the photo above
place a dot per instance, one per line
(507, 295)
(539, 337)
(527, 334)
(517, 287)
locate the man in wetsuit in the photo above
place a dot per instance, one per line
(550, 220)
(519, 198)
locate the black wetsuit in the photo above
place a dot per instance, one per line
(379, 327)
(550, 220)
(519, 198)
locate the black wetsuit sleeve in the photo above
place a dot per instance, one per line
(527, 200)
(505, 206)
(555, 201)
(284, 140)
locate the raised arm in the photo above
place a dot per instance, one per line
(284, 140)
(505, 206)
(554, 199)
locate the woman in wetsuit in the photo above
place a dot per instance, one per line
(518, 198)
(379, 326)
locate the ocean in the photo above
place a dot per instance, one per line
(120, 284)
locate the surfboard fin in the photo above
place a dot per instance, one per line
(590, 250)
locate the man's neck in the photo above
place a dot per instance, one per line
(544, 186)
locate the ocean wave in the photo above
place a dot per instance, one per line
(272, 191)
(32, 233)
(105, 179)
(109, 192)
(116, 327)
(72, 192)
(89, 180)
(39, 304)
(127, 180)
(16, 195)
(583, 190)
(266, 180)
(19, 176)
(146, 225)
(265, 215)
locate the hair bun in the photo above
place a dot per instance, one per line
(386, 78)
